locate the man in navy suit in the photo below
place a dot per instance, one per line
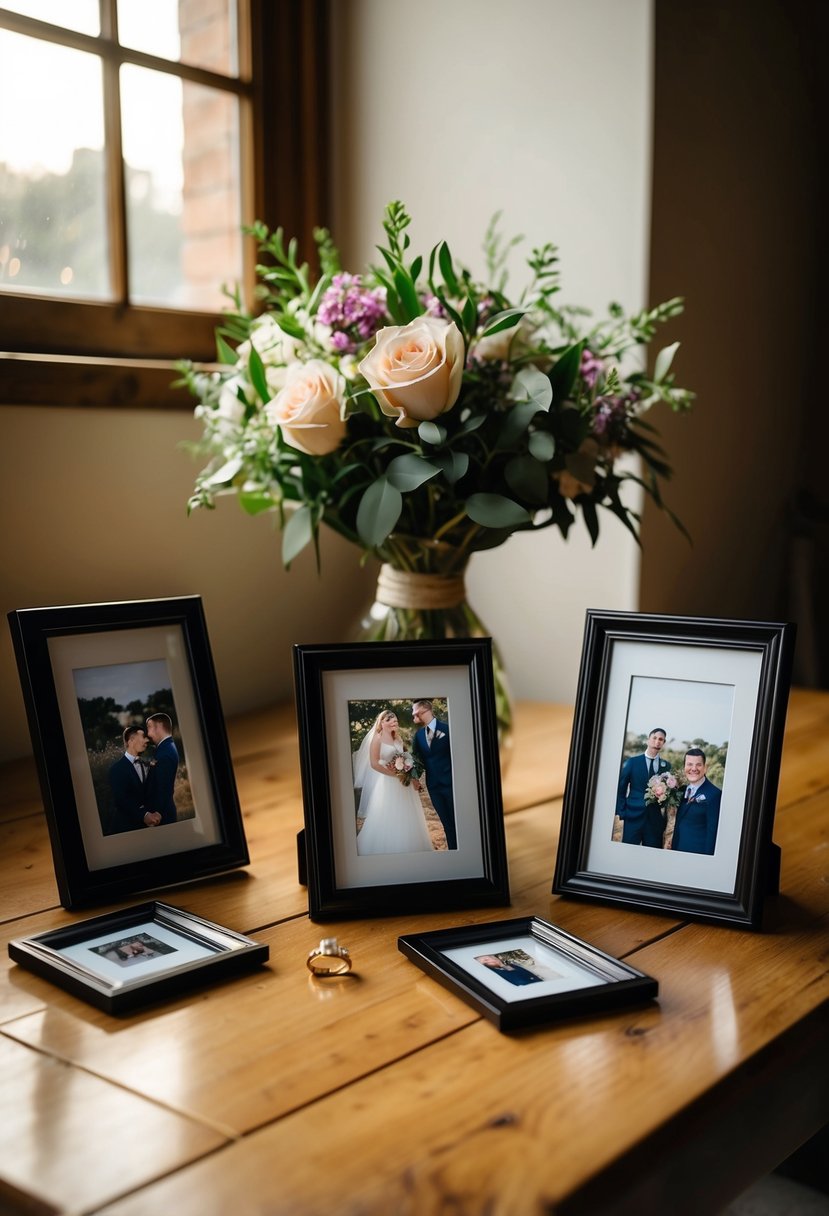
(431, 746)
(698, 815)
(642, 823)
(160, 730)
(131, 786)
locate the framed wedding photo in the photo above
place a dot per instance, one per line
(145, 953)
(526, 972)
(130, 745)
(401, 779)
(674, 762)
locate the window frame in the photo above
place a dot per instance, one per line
(57, 351)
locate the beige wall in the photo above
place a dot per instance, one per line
(540, 108)
(93, 509)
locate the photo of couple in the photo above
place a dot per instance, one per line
(671, 778)
(402, 772)
(128, 951)
(135, 755)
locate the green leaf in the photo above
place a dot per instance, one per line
(415, 268)
(257, 375)
(542, 445)
(532, 385)
(407, 294)
(224, 474)
(378, 512)
(447, 269)
(516, 423)
(663, 362)
(254, 502)
(591, 519)
(473, 422)
(452, 464)
(409, 471)
(298, 532)
(527, 479)
(495, 511)
(225, 352)
(430, 432)
(503, 320)
(564, 372)
(470, 315)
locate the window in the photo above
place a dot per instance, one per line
(133, 145)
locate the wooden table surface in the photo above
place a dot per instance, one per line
(386, 1094)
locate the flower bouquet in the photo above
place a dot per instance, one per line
(426, 415)
(406, 768)
(665, 789)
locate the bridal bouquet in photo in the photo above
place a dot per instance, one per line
(664, 789)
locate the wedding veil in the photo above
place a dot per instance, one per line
(364, 774)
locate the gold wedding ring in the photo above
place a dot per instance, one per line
(330, 958)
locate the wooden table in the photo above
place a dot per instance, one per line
(385, 1095)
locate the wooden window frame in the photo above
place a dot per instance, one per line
(116, 354)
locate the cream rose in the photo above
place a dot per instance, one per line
(415, 370)
(308, 409)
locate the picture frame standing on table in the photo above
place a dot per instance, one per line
(674, 762)
(401, 778)
(526, 972)
(105, 687)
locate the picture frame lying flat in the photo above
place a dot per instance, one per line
(674, 762)
(401, 780)
(145, 953)
(526, 971)
(130, 745)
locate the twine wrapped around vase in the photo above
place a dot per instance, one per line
(407, 589)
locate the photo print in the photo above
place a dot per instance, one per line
(673, 762)
(133, 745)
(401, 754)
(138, 948)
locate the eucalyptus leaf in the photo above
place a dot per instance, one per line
(495, 511)
(527, 478)
(516, 423)
(531, 385)
(298, 532)
(430, 432)
(409, 471)
(473, 422)
(378, 512)
(257, 375)
(663, 362)
(452, 464)
(542, 445)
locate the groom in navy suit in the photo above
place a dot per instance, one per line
(131, 786)
(642, 822)
(431, 746)
(160, 730)
(698, 815)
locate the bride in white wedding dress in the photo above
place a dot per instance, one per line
(392, 814)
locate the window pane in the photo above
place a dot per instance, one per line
(80, 15)
(181, 149)
(198, 32)
(52, 217)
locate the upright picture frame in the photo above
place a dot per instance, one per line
(98, 681)
(674, 762)
(428, 834)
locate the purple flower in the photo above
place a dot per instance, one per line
(353, 312)
(591, 367)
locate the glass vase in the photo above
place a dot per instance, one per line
(411, 605)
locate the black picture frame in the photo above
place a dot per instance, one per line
(330, 680)
(144, 940)
(717, 862)
(584, 979)
(97, 859)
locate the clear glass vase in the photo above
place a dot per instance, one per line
(413, 604)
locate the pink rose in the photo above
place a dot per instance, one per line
(308, 410)
(415, 370)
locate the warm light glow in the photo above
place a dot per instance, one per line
(14, 267)
(4, 254)
(67, 275)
